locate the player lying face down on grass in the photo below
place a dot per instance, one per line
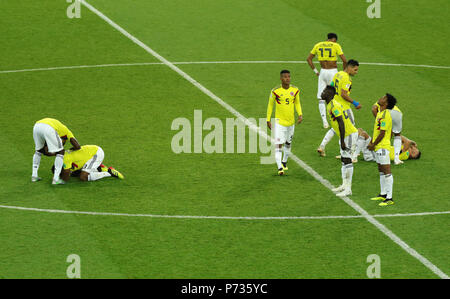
(87, 164)
(408, 151)
(342, 125)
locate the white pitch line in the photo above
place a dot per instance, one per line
(218, 217)
(263, 134)
(56, 68)
(304, 62)
(181, 216)
(412, 214)
(80, 67)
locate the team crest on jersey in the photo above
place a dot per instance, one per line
(292, 93)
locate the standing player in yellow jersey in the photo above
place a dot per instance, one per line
(380, 144)
(343, 84)
(409, 148)
(327, 53)
(347, 133)
(49, 137)
(397, 119)
(88, 162)
(285, 97)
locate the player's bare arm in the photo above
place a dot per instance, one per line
(269, 125)
(374, 143)
(84, 176)
(311, 64)
(375, 110)
(344, 61)
(342, 132)
(65, 175)
(363, 133)
(299, 119)
(45, 151)
(76, 145)
(407, 143)
(345, 96)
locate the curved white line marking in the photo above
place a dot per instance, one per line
(79, 67)
(206, 62)
(218, 217)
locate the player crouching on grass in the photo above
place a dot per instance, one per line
(344, 128)
(381, 144)
(285, 97)
(87, 162)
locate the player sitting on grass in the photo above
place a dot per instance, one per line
(88, 163)
(408, 151)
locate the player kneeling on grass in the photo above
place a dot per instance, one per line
(87, 161)
(408, 149)
(343, 126)
(380, 145)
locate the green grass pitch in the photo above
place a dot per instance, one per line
(128, 111)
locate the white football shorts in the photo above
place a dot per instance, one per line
(325, 78)
(283, 134)
(397, 117)
(382, 156)
(43, 133)
(93, 163)
(350, 144)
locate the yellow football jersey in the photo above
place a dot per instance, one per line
(383, 122)
(395, 107)
(327, 50)
(403, 155)
(342, 81)
(335, 109)
(285, 101)
(75, 160)
(61, 129)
